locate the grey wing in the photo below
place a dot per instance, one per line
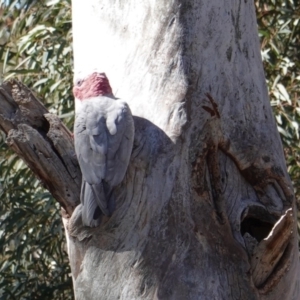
(91, 144)
(119, 144)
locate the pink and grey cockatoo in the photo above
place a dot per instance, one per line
(103, 134)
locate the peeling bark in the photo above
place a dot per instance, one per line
(270, 251)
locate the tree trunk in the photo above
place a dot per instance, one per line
(197, 212)
(206, 210)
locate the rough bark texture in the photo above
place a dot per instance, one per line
(207, 182)
(42, 141)
(206, 210)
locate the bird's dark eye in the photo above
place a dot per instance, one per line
(79, 82)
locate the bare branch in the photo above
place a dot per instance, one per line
(42, 141)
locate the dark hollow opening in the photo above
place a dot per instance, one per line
(256, 228)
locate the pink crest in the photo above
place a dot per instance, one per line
(94, 85)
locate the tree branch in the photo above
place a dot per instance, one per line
(42, 141)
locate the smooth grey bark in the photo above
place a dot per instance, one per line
(206, 210)
(207, 180)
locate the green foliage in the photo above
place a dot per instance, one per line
(39, 51)
(279, 29)
(36, 48)
(33, 263)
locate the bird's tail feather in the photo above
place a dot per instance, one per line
(94, 203)
(91, 213)
(100, 197)
(109, 193)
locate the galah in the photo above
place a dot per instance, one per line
(103, 135)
